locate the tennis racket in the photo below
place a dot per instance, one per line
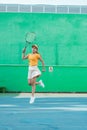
(29, 38)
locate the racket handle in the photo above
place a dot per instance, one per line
(23, 51)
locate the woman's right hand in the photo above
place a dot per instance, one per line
(23, 51)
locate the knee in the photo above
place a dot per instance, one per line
(29, 83)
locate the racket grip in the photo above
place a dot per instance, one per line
(23, 51)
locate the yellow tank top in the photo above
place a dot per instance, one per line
(33, 59)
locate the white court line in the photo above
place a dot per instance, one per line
(49, 108)
(62, 108)
(7, 105)
(44, 108)
(79, 105)
(51, 95)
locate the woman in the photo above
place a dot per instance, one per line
(33, 71)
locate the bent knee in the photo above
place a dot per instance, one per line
(29, 83)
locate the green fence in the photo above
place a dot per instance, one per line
(62, 41)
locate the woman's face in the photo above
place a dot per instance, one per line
(34, 49)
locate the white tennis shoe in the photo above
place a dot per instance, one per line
(41, 83)
(32, 100)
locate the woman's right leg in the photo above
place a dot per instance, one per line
(30, 81)
(36, 83)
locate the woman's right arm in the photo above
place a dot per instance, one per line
(23, 54)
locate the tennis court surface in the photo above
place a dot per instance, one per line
(57, 112)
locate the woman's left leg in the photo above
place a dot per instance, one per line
(33, 81)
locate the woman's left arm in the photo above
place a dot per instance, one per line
(43, 65)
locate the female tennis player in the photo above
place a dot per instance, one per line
(33, 71)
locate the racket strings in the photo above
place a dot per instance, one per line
(30, 37)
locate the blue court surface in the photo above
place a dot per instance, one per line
(47, 113)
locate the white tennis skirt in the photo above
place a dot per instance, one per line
(33, 71)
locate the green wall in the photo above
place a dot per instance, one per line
(62, 41)
(62, 79)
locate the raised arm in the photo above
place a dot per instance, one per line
(23, 54)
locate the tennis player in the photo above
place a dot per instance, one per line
(33, 71)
